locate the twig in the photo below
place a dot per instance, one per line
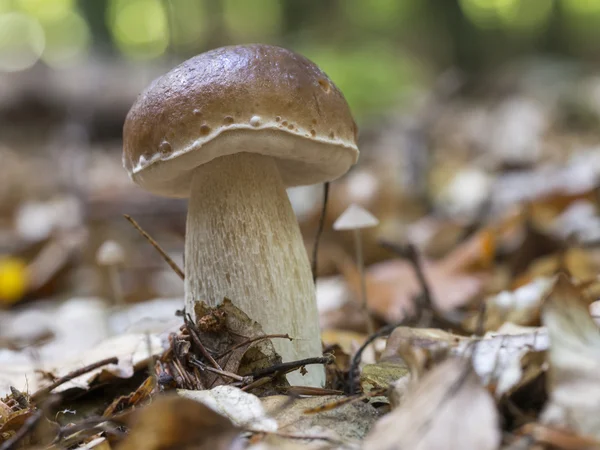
(292, 365)
(196, 340)
(344, 401)
(41, 393)
(409, 252)
(320, 230)
(257, 383)
(154, 244)
(357, 357)
(252, 340)
(202, 366)
(299, 437)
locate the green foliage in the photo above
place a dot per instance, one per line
(371, 77)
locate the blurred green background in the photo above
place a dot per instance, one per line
(377, 51)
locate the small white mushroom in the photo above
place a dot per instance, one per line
(355, 218)
(112, 256)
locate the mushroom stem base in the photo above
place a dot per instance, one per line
(243, 243)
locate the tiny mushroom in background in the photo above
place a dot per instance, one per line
(231, 129)
(112, 256)
(355, 218)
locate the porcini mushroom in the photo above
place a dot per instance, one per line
(231, 129)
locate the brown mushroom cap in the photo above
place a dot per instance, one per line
(248, 98)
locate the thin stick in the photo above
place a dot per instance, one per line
(363, 282)
(292, 365)
(320, 231)
(41, 393)
(409, 252)
(357, 357)
(154, 244)
(250, 341)
(300, 437)
(198, 343)
(202, 366)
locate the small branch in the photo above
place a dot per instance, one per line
(345, 401)
(409, 252)
(300, 437)
(252, 340)
(320, 231)
(292, 365)
(196, 340)
(357, 357)
(154, 244)
(43, 392)
(200, 365)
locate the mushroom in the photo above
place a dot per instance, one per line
(231, 129)
(112, 256)
(356, 218)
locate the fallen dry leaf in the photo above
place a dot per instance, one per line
(495, 357)
(449, 409)
(172, 422)
(243, 409)
(574, 356)
(347, 423)
(242, 353)
(392, 286)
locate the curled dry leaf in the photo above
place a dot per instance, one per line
(496, 358)
(392, 285)
(348, 423)
(243, 409)
(520, 306)
(574, 375)
(172, 422)
(449, 408)
(229, 332)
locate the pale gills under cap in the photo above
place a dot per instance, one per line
(249, 98)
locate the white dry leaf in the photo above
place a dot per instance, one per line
(574, 356)
(96, 444)
(242, 408)
(448, 409)
(496, 357)
(345, 424)
(525, 297)
(131, 350)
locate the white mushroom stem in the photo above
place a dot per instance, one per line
(363, 281)
(243, 243)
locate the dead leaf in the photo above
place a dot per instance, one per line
(239, 358)
(392, 286)
(561, 439)
(449, 408)
(381, 375)
(495, 357)
(348, 423)
(574, 356)
(172, 422)
(243, 409)
(133, 399)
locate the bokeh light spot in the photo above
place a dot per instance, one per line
(21, 41)
(139, 27)
(67, 39)
(247, 20)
